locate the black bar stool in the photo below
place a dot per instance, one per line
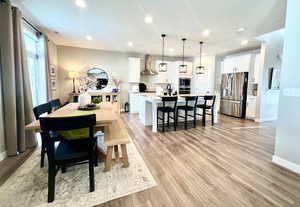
(190, 105)
(171, 108)
(208, 105)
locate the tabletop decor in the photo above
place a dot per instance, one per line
(117, 83)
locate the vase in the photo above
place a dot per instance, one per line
(84, 99)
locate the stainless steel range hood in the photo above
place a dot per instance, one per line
(148, 67)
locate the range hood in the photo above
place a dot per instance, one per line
(148, 67)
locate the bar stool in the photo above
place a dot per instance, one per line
(190, 105)
(171, 108)
(207, 106)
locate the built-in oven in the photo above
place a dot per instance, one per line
(184, 86)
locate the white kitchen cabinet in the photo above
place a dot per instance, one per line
(257, 65)
(134, 69)
(134, 102)
(237, 64)
(251, 107)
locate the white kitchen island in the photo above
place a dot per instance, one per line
(148, 109)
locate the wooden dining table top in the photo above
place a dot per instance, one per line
(106, 114)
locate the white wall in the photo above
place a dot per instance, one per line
(287, 142)
(52, 49)
(2, 140)
(80, 59)
(267, 106)
(204, 83)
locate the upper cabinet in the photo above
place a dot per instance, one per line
(257, 65)
(134, 69)
(237, 64)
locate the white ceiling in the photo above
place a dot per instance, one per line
(112, 23)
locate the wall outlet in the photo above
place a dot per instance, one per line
(295, 92)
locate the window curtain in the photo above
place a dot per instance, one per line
(47, 66)
(16, 92)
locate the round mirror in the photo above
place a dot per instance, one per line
(99, 77)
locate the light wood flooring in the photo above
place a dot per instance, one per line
(225, 165)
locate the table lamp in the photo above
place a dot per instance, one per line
(73, 75)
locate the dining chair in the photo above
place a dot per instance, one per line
(38, 111)
(69, 152)
(190, 105)
(55, 104)
(167, 110)
(208, 105)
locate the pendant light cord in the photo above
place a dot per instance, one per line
(183, 40)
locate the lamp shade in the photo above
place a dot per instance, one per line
(183, 68)
(163, 67)
(73, 74)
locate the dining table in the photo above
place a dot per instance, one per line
(108, 120)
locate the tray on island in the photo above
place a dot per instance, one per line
(88, 107)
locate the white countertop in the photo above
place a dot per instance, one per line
(152, 97)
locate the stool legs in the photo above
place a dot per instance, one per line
(108, 161)
(124, 155)
(185, 119)
(203, 116)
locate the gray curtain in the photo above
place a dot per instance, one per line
(47, 66)
(17, 97)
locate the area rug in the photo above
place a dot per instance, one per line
(28, 185)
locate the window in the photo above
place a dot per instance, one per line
(36, 64)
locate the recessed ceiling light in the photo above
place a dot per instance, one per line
(206, 33)
(130, 44)
(80, 3)
(171, 50)
(240, 30)
(89, 37)
(244, 42)
(148, 19)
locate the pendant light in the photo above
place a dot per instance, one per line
(183, 67)
(163, 65)
(200, 68)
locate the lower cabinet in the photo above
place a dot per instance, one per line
(134, 102)
(251, 107)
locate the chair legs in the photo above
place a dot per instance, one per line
(203, 116)
(91, 173)
(195, 118)
(212, 116)
(43, 152)
(51, 182)
(185, 119)
(163, 122)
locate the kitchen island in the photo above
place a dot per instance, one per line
(148, 109)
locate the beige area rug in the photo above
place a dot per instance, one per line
(28, 185)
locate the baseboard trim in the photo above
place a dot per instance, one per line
(286, 164)
(3, 155)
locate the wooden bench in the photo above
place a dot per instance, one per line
(118, 137)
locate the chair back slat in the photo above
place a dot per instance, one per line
(191, 101)
(55, 104)
(172, 99)
(67, 123)
(41, 109)
(211, 99)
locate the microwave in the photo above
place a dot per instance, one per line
(184, 86)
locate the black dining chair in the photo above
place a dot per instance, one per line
(207, 106)
(38, 111)
(55, 104)
(69, 152)
(167, 109)
(190, 105)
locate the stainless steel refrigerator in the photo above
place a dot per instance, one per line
(234, 94)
